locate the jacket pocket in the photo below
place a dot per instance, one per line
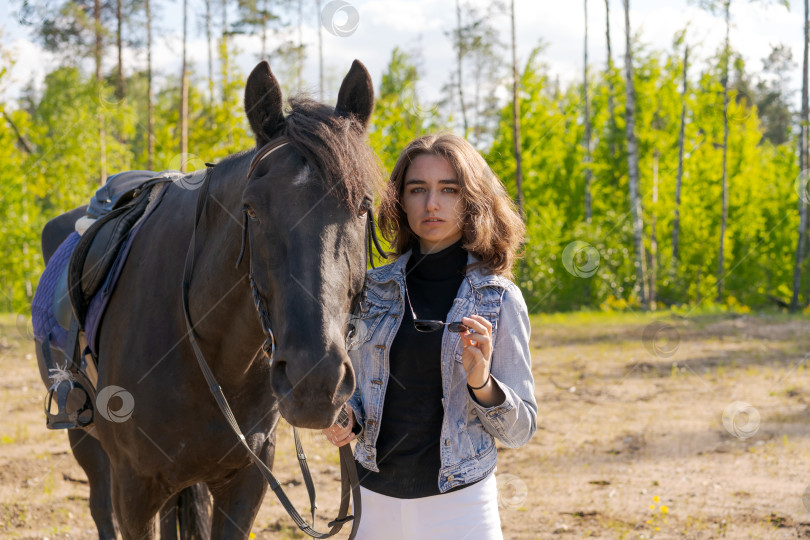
(364, 323)
(474, 430)
(492, 317)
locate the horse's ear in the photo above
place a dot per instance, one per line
(263, 103)
(356, 96)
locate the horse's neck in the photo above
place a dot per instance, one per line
(220, 294)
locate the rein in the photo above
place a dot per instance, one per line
(350, 484)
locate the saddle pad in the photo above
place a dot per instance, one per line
(42, 314)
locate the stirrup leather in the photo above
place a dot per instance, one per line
(73, 399)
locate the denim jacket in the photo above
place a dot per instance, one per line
(468, 430)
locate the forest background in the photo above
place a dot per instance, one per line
(671, 178)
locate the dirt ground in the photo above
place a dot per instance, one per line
(650, 426)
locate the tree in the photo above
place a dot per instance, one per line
(150, 110)
(320, 52)
(209, 47)
(476, 41)
(255, 17)
(516, 120)
(611, 124)
(184, 94)
(586, 101)
(773, 94)
(460, 51)
(401, 113)
(725, 6)
(676, 224)
(804, 168)
(632, 159)
(72, 29)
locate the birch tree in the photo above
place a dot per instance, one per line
(804, 168)
(632, 160)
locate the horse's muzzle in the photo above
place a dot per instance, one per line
(311, 392)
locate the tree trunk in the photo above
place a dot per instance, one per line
(320, 53)
(150, 107)
(209, 39)
(264, 29)
(299, 81)
(724, 215)
(632, 160)
(21, 141)
(184, 95)
(676, 222)
(102, 127)
(224, 56)
(459, 57)
(653, 236)
(516, 122)
(120, 88)
(804, 165)
(587, 123)
(611, 92)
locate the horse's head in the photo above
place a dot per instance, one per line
(306, 206)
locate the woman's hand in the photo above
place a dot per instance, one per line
(477, 352)
(339, 435)
(477, 359)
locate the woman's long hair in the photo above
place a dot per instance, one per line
(492, 229)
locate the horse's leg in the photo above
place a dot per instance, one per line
(92, 458)
(136, 501)
(189, 512)
(237, 501)
(168, 519)
(236, 504)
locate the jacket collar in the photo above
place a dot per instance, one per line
(396, 271)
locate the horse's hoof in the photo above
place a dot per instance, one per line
(74, 409)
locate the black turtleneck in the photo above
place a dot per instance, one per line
(411, 424)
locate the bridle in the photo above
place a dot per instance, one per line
(372, 242)
(350, 484)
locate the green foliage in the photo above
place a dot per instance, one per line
(62, 125)
(763, 220)
(400, 114)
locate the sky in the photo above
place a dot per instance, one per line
(368, 30)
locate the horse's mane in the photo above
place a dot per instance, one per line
(335, 147)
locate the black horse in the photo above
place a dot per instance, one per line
(300, 220)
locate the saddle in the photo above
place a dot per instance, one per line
(115, 210)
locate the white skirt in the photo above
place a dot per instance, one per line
(467, 514)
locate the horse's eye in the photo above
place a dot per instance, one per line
(364, 208)
(251, 213)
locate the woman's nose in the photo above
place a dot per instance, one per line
(432, 202)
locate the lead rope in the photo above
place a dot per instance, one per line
(350, 484)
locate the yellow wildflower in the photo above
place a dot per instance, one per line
(656, 499)
(664, 509)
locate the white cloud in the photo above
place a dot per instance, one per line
(421, 25)
(414, 16)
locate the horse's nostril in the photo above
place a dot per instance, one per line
(279, 380)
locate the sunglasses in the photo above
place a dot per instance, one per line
(429, 325)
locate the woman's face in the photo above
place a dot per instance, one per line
(431, 199)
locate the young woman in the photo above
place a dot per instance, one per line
(440, 350)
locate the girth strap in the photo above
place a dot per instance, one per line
(350, 484)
